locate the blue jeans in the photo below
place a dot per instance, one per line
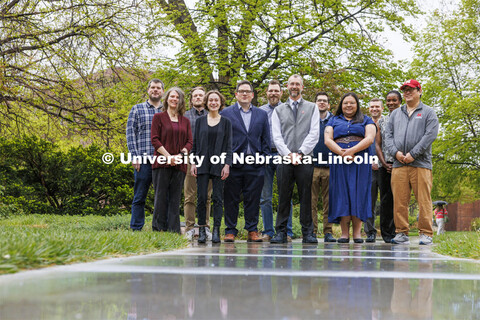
(266, 203)
(143, 180)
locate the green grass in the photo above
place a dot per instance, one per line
(35, 241)
(465, 244)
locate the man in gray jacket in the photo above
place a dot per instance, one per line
(409, 136)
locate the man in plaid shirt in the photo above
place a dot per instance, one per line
(139, 143)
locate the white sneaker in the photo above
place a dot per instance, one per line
(401, 238)
(425, 240)
(209, 234)
(189, 234)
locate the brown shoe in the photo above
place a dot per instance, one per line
(289, 239)
(266, 238)
(254, 237)
(229, 237)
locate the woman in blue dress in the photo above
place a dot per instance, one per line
(348, 134)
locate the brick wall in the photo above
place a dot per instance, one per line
(461, 215)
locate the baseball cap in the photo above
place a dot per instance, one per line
(411, 83)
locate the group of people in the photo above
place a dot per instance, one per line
(306, 135)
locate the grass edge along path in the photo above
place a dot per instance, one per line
(458, 244)
(36, 241)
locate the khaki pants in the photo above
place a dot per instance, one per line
(404, 179)
(190, 194)
(320, 186)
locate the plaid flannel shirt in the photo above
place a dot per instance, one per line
(139, 125)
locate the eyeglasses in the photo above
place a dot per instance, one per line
(409, 90)
(244, 91)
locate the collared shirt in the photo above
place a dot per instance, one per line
(321, 149)
(193, 115)
(139, 124)
(247, 118)
(310, 140)
(269, 109)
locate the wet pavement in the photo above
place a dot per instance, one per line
(253, 281)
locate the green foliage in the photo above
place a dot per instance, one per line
(332, 43)
(448, 61)
(40, 178)
(475, 225)
(34, 241)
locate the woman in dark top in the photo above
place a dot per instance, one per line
(348, 134)
(213, 138)
(172, 139)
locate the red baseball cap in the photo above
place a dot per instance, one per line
(411, 83)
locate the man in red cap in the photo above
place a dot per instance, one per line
(409, 136)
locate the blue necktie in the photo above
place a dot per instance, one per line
(295, 108)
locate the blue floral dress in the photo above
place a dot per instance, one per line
(350, 184)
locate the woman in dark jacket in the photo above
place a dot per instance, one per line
(171, 137)
(213, 142)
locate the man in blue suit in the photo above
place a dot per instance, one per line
(250, 136)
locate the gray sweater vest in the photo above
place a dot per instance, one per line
(294, 131)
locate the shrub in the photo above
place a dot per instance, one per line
(475, 225)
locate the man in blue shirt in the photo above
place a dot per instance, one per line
(274, 94)
(139, 143)
(321, 170)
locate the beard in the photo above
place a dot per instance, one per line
(155, 98)
(294, 93)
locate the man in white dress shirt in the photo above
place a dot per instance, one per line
(295, 129)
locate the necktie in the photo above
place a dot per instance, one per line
(295, 108)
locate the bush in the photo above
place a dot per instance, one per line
(40, 178)
(475, 225)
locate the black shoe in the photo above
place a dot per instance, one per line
(329, 238)
(358, 240)
(309, 238)
(202, 235)
(280, 237)
(387, 240)
(343, 240)
(371, 237)
(216, 235)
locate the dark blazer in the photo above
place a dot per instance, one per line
(223, 144)
(258, 134)
(162, 135)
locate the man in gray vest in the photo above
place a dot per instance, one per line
(295, 129)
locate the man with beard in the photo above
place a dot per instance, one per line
(295, 133)
(139, 143)
(274, 93)
(197, 110)
(375, 109)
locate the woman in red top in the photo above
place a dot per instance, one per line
(171, 136)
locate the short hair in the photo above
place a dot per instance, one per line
(322, 93)
(295, 76)
(376, 100)
(242, 82)
(395, 92)
(274, 82)
(155, 80)
(191, 94)
(223, 100)
(181, 100)
(358, 117)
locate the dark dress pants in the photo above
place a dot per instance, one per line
(168, 184)
(247, 179)
(369, 226)
(387, 225)
(217, 197)
(287, 176)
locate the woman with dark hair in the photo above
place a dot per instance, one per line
(212, 138)
(348, 134)
(171, 137)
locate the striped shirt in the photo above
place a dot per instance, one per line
(139, 124)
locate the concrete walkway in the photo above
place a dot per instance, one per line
(253, 281)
